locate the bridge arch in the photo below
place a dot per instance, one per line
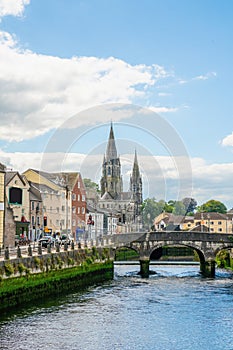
(190, 245)
(128, 247)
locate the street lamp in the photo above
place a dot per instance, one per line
(148, 219)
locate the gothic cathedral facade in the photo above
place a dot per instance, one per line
(125, 207)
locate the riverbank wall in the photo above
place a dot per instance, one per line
(23, 280)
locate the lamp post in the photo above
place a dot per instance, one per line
(148, 219)
(37, 211)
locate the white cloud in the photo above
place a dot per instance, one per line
(39, 92)
(163, 109)
(227, 141)
(206, 76)
(12, 7)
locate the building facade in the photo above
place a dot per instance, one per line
(17, 216)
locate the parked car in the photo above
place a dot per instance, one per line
(47, 240)
(66, 238)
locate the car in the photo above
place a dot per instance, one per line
(66, 238)
(47, 240)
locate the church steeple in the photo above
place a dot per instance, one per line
(111, 152)
(111, 181)
(136, 183)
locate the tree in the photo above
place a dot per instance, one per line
(89, 184)
(151, 209)
(190, 204)
(212, 206)
(179, 208)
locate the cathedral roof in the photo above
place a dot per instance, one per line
(107, 196)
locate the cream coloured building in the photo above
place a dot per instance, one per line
(56, 199)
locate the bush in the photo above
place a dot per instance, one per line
(36, 262)
(9, 269)
(21, 268)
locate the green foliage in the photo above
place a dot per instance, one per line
(36, 262)
(179, 208)
(89, 184)
(212, 206)
(152, 208)
(89, 260)
(21, 268)
(9, 269)
(223, 258)
(70, 261)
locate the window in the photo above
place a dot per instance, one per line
(219, 230)
(74, 222)
(79, 197)
(15, 195)
(73, 196)
(73, 210)
(83, 198)
(78, 210)
(219, 222)
(78, 184)
(83, 210)
(32, 205)
(33, 220)
(63, 208)
(38, 220)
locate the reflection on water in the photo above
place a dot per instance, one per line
(175, 309)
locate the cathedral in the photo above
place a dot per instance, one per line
(125, 207)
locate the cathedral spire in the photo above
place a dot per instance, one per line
(136, 173)
(111, 152)
(136, 183)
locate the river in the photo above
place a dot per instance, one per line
(175, 309)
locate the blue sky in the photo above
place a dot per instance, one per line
(59, 58)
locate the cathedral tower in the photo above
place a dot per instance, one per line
(111, 181)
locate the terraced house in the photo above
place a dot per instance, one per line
(63, 199)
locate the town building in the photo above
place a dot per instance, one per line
(63, 200)
(206, 222)
(2, 202)
(123, 209)
(17, 211)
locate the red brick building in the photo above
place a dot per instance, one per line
(79, 205)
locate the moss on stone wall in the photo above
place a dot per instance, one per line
(21, 290)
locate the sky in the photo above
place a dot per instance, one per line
(159, 70)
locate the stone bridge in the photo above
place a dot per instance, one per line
(207, 245)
